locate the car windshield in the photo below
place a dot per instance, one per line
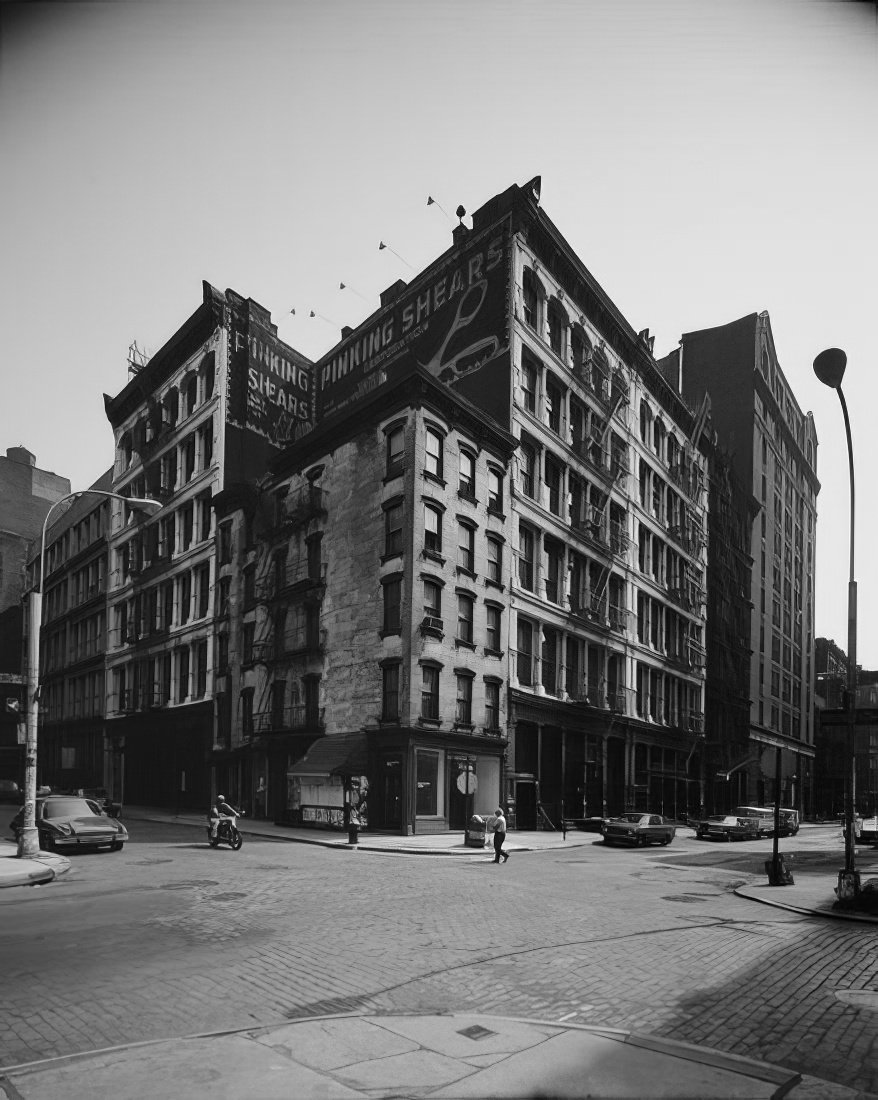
(69, 807)
(8, 785)
(629, 817)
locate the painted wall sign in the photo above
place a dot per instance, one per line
(270, 385)
(453, 322)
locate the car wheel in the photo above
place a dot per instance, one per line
(117, 845)
(47, 842)
(607, 840)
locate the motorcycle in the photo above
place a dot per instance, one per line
(226, 833)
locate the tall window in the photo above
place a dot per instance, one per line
(549, 661)
(524, 654)
(183, 673)
(393, 529)
(531, 300)
(495, 560)
(467, 480)
(430, 692)
(554, 483)
(433, 599)
(463, 713)
(466, 547)
(492, 628)
(392, 605)
(492, 705)
(247, 711)
(529, 385)
(554, 564)
(527, 469)
(465, 618)
(557, 328)
(526, 558)
(432, 529)
(433, 462)
(495, 491)
(390, 693)
(554, 406)
(395, 451)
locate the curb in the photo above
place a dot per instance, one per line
(778, 1076)
(747, 892)
(48, 868)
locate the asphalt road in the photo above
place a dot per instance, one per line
(170, 938)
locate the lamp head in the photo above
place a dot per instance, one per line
(829, 366)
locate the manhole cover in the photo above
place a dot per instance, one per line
(682, 897)
(858, 998)
(149, 862)
(226, 897)
(194, 885)
(476, 1032)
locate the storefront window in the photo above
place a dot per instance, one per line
(428, 784)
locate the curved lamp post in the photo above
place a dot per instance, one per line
(28, 837)
(829, 366)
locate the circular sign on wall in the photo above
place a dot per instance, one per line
(467, 782)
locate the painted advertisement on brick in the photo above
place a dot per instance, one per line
(270, 384)
(453, 323)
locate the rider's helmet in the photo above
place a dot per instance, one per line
(220, 798)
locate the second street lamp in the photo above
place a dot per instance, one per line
(829, 366)
(28, 837)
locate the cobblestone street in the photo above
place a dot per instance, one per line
(171, 938)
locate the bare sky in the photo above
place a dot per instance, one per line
(706, 159)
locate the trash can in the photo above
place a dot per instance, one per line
(353, 833)
(476, 832)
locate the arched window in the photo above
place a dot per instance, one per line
(557, 317)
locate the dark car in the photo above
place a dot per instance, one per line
(727, 827)
(634, 828)
(10, 791)
(65, 822)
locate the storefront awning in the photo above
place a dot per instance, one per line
(334, 754)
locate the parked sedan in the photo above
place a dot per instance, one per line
(637, 829)
(727, 827)
(868, 833)
(66, 822)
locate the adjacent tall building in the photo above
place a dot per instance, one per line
(204, 413)
(773, 449)
(26, 495)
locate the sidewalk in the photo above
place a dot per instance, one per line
(441, 1057)
(432, 844)
(29, 872)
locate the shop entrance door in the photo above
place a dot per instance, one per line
(389, 801)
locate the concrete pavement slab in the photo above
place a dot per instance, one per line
(578, 1064)
(336, 1042)
(222, 1067)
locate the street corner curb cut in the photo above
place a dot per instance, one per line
(39, 872)
(747, 891)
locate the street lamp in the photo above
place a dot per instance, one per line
(829, 366)
(28, 837)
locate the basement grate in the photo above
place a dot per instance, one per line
(476, 1032)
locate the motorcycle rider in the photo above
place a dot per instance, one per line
(221, 809)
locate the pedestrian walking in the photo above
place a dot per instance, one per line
(497, 824)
